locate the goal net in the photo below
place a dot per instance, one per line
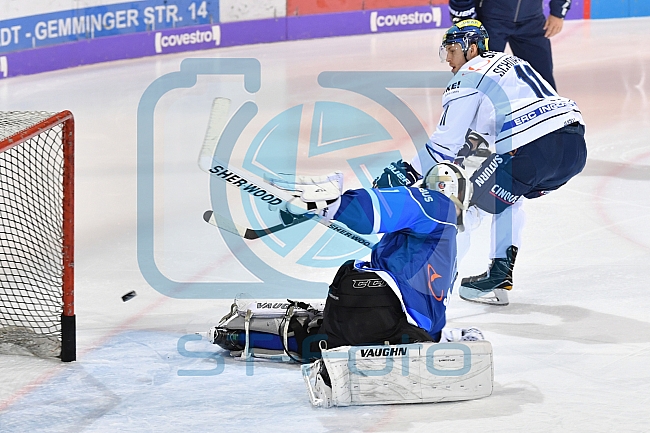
(36, 234)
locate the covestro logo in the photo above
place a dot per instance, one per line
(4, 69)
(379, 19)
(188, 38)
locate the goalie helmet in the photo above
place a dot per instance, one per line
(465, 33)
(450, 180)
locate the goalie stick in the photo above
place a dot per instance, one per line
(248, 233)
(258, 188)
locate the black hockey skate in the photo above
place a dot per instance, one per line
(491, 287)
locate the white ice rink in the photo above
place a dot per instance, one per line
(571, 351)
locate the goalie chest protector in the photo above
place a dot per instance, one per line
(362, 309)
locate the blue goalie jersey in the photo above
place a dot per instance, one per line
(418, 249)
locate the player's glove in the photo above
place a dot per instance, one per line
(462, 10)
(474, 144)
(397, 173)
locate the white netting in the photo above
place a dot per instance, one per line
(12, 122)
(31, 220)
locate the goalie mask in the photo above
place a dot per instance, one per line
(450, 180)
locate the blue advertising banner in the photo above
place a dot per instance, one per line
(367, 21)
(154, 27)
(99, 21)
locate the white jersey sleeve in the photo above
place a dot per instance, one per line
(460, 106)
(502, 98)
(459, 109)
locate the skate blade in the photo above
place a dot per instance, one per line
(494, 297)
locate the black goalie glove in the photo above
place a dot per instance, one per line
(397, 173)
(462, 10)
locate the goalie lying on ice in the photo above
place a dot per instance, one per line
(398, 298)
(416, 257)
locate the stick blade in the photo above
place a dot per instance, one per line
(224, 223)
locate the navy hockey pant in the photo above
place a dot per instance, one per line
(531, 171)
(527, 42)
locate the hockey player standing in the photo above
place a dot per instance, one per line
(538, 136)
(521, 23)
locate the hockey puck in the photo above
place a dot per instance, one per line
(129, 296)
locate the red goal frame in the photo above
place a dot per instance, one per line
(68, 325)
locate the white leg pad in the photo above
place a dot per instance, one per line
(409, 373)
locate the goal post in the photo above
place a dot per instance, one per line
(37, 234)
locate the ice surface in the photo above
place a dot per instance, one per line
(571, 352)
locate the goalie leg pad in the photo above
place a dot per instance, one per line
(398, 374)
(318, 384)
(263, 329)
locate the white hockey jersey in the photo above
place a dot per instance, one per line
(502, 98)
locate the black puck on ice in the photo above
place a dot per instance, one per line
(129, 296)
